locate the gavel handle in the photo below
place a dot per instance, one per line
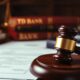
(77, 50)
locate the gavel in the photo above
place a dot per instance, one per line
(63, 65)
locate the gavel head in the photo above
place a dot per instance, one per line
(65, 43)
(67, 32)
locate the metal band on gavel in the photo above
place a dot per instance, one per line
(66, 44)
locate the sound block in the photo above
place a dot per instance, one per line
(50, 44)
(45, 67)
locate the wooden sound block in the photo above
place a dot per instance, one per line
(46, 67)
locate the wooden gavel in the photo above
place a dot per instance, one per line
(63, 65)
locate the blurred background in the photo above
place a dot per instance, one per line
(41, 7)
(24, 8)
(45, 7)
